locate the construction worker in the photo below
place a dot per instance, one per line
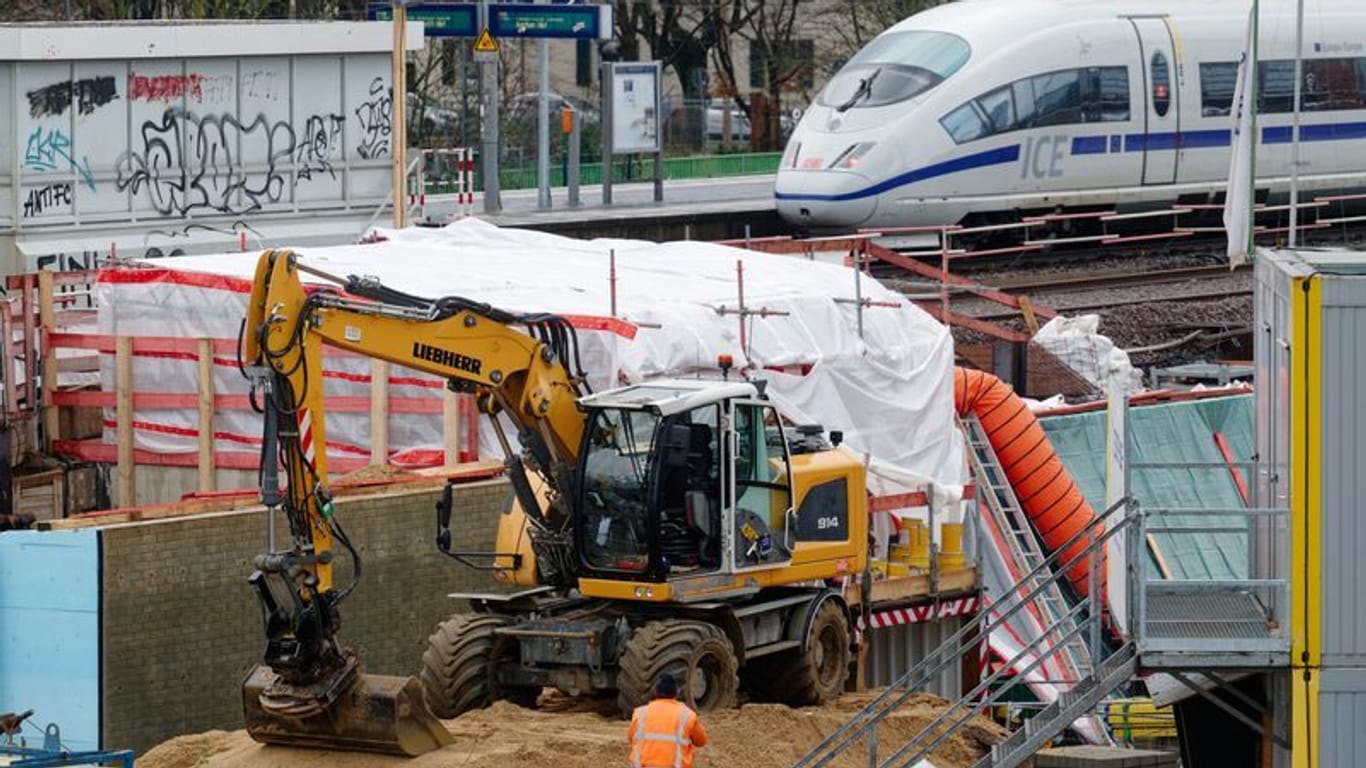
(665, 731)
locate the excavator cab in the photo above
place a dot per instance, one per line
(682, 478)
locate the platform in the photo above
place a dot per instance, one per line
(698, 209)
(1212, 628)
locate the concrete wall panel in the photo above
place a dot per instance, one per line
(182, 627)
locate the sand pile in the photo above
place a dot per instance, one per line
(587, 734)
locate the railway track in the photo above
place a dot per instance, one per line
(1117, 279)
(1072, 307)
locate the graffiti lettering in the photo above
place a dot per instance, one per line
(375, 121)
(156, 253)
(261, 84)
(88, 94)
(320, 141)
(68, 262)
(212, 176)
(51, 196)
(165, 87)
(50, 150)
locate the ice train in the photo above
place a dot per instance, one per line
(981, 111)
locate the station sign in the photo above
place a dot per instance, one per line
(557, 20)
(438, 19)
(581, 22)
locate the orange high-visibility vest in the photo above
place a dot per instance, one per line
(663, 734)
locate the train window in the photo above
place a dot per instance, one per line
(1057, 98)
(894, 67)
(1114, 93)
(1327, 85)
(1275, 86)
(1024, 103)
(999, 109)
(1217, 82)
(965, 123)
(1162, 85)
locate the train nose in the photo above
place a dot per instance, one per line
(824, 199)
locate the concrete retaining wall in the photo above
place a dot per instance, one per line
(181, 627)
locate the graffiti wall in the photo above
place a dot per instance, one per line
(209, 139)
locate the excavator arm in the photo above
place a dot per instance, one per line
(310, 689)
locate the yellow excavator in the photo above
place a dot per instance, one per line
(674, 526)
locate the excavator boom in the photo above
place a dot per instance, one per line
(310, 690)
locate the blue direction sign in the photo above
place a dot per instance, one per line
(438, 19)
(567, 21)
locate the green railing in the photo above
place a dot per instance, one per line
(628, 169)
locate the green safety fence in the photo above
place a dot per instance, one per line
(628, 169)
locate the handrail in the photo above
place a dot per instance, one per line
(985, 685)
(871, 713)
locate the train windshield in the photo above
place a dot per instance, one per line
(895, 67)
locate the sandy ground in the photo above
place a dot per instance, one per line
(582, 734)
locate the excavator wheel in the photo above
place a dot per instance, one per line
(697, 654)
(814, 675)
(458, 665)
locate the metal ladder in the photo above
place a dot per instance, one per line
(862, 727)
(993, 488)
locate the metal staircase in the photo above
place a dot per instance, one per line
(1070, 705)
(1066, 628)
(994, 489)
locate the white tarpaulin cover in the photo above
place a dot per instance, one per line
(890, 392)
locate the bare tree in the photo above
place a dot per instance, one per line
(771, 29)
(855, 22)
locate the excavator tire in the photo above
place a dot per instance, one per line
(815, 675)
(457, 667)
(697, 654)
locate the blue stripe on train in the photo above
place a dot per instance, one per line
(997, 156)
(1095, 145)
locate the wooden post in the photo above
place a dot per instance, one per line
(450, 427)
(7, 353)
(47, 321)
(206, 458)
(26, 307)
(469, 417)
(379, 413)
(123, 385)
(1031, 322)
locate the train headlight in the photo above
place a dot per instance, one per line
(851, 157)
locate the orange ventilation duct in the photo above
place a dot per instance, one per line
(1052, 501)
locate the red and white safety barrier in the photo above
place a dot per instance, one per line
(962, 606)
(456, 165)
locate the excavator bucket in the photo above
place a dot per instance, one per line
(374, 713)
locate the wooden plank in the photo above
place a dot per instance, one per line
(1159, 557)
(1027, 310)
(450, 426)
(379, 413)
(30, 336)
(207, 471)
(7, 353)
(123, 386)
(911, 587)
(47, 324)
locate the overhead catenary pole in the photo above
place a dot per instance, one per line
(399, 105)
(543, 126)
(1295, 125)
(493, 201)
(1252, 138)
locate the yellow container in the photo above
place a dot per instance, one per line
(899, 553)
(920, 547)
(878, 569)
(951, 556)
(898, 570)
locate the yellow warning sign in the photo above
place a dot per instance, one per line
(486, 43)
